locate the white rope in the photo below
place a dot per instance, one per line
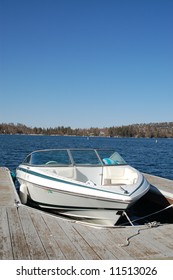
(149, 225)
(125, 214)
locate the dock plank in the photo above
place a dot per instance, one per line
(98, 247)
(79, 242)
(148, 248)
(19, 245)
(157, 240)
(161, 190)
(165, 237)
(7, 190)
(110, 242)
(49, 242)
(34, 244)
(136, 249)
(160, 183)
(62, 238)
(5, 240)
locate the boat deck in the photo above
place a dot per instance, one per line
(27, 233)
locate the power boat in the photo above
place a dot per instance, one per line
(95, 185)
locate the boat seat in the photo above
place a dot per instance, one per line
(113, 175)
(118, 181)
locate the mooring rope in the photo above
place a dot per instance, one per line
(146, 216)
(148, 225)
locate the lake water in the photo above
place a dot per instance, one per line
(147, 155)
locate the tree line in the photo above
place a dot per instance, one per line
(150, 130)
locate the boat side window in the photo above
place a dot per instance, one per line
(27, 160)
(110, 157)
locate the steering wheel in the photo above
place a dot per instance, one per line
(51, 162)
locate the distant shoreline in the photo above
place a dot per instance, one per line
(151, 130)
(85, 136)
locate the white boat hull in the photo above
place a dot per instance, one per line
(76, 205)
(98, 207)
(65, 190)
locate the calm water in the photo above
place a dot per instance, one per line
(147, 155)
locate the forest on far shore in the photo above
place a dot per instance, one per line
(150, 130)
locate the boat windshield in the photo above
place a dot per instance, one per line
(85, 157)
(65, 157)
(49, 157)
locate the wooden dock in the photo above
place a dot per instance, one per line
(161, 190)
(30, 234)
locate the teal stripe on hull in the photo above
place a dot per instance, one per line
(31, 172)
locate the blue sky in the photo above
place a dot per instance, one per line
(86, 63)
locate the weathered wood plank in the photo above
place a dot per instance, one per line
(145, 245)
(79, 242)
(5, 240)
(157, 239)
(7, 189)
(69, 250)
(18, 241)
(35, 246)
(161, 190)
(164, 235)
(50, 245)
(136, 249)
(160, 183)
(97, 246)
(111, 241)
